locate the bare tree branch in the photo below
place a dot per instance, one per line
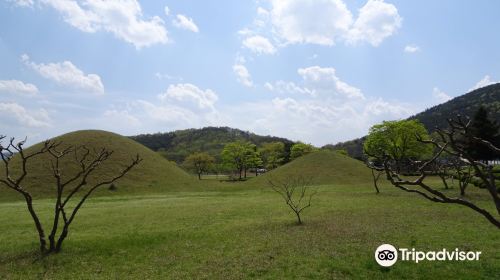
(87, 165)
(450, 144)
(287, 188)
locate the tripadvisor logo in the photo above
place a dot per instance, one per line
(386, 255)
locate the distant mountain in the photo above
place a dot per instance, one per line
(177, 145)
(465, 105)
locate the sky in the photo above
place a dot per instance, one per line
(319, 71)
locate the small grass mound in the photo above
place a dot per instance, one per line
(323, 167)
(153, 173)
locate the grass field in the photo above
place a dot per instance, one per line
(323, 167)
(163, 223)
(219, 234)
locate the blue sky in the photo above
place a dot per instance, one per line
(319, 71)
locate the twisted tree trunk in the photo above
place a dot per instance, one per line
(87, 167)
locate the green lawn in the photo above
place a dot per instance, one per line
(234, 233)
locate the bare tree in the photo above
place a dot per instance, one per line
(462, 172)
(294, 191)
(440, 169)
(66, 186)
(377, 171)
(451, 142)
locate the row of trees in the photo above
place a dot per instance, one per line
(178, 145)
(241, 156)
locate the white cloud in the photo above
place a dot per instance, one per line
(18, 87)
(380, 107)
(167, 10)
(285, 87)
(22, 3)
(302, 21)
(67, 74)
(162, 76)
(486, 81)
(14, 114)
(269, 86)
(183, 22)
(262, 12)
(168, 114)
(181, 106)
(316, 120)
(246, 32)
(440, 96)
(204, 99)
(318, 81)
(175, 116)
(240, 59)
(122, 18)
(243, 75)
(259, 44)
(324, 22)
(121, 116)
(321, 109)
(325, 81)
(412, 49)
(376, 21)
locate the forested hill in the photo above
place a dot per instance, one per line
(177, 145)
(465, 105)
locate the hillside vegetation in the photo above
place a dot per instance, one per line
(179, 144)
(465, 105)
(324, 167)
(153, 172)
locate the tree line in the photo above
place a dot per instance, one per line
(239, 157)
(178, 145)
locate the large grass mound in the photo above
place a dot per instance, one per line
(323, 167)
(153, 173)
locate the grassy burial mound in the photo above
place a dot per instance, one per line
(153, 173)
(323, 167)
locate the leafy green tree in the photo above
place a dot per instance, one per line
(482, 127)
(450, 143)
(252, 158)
(219, 168)
(398, 140)
(241, 156)
(199, 162)
(233, 156)
(273, 154)
(301, 149)
(179, 144)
